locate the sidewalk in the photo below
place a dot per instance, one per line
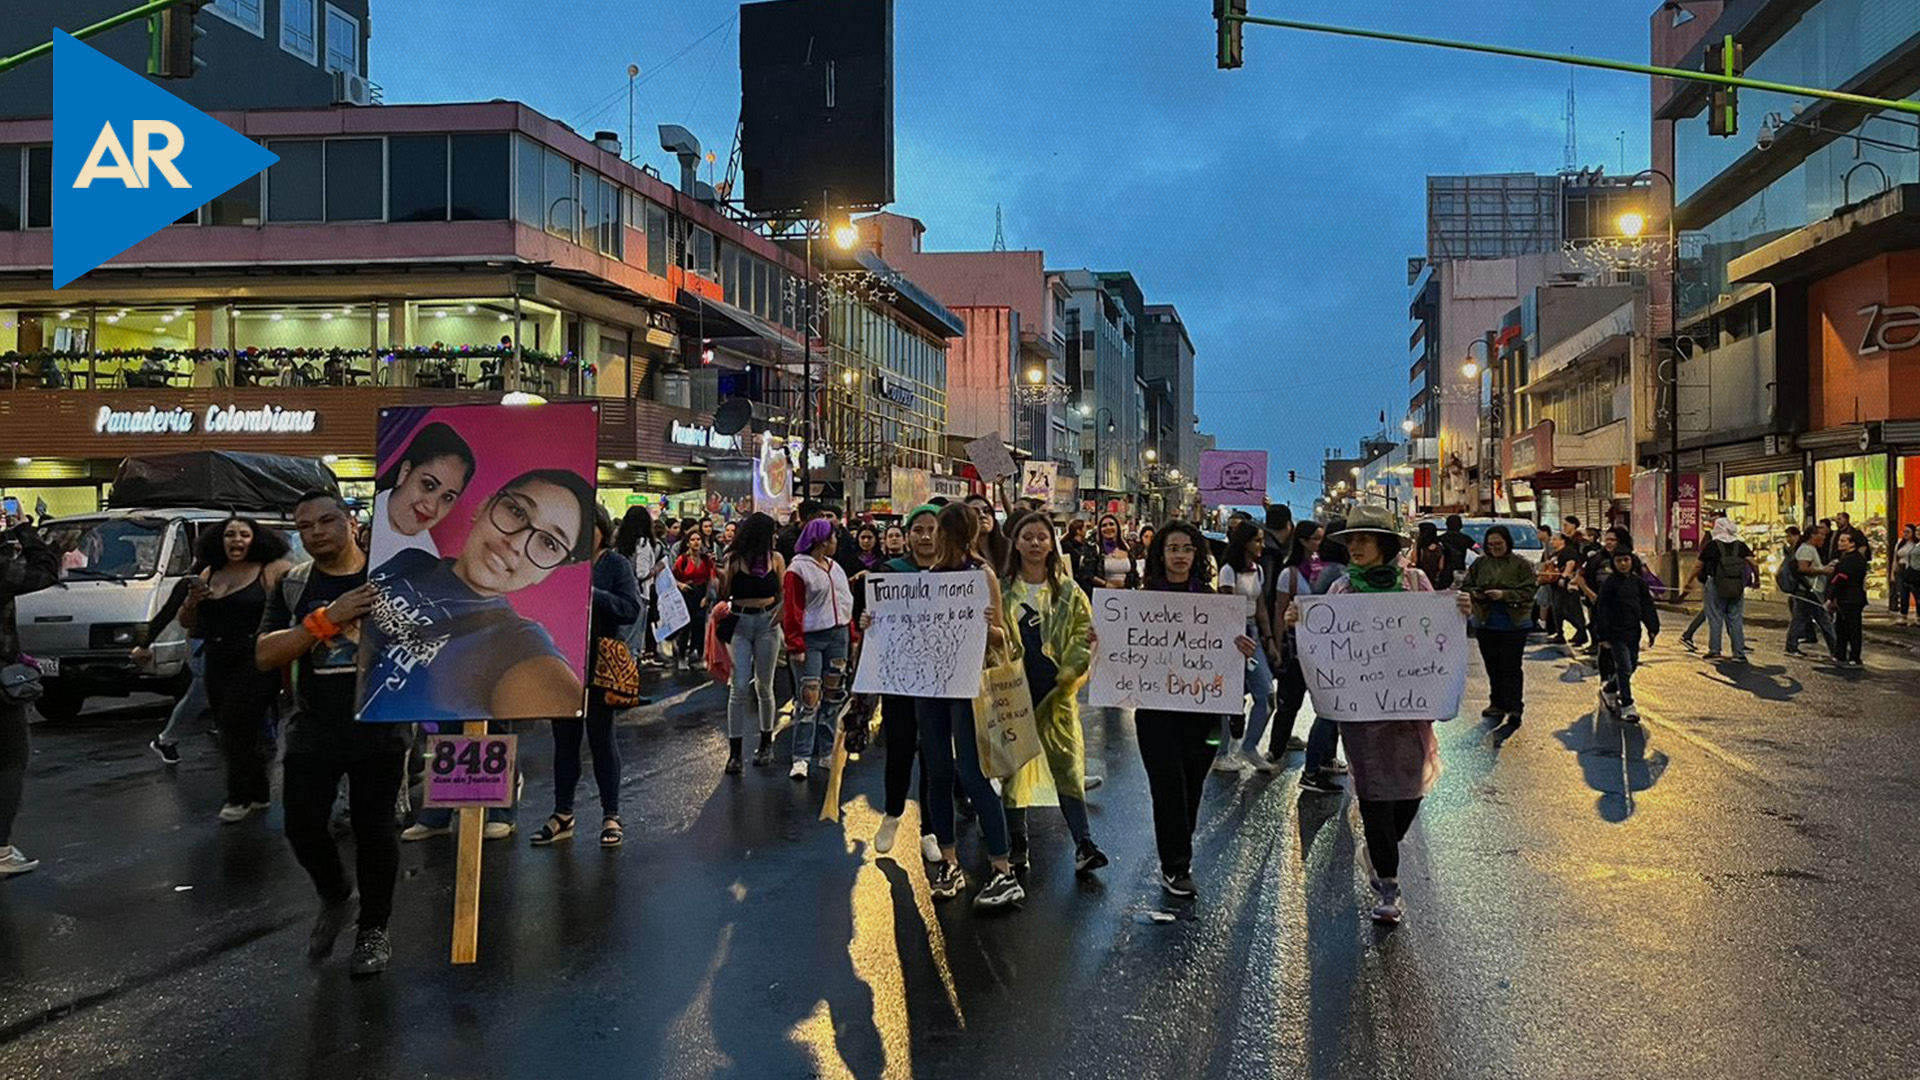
(1880, 625)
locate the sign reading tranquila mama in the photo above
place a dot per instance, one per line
(218, 419)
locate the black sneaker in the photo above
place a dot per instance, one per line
(1296, 744)
(1000, 890)
(332, 919)
(1179, 884)
(763, 757)
(1088, 857)
(372, 949)
(1513, 718)
(1490, 713)
(1019, 856)
(733, 766)
(169, 752)
(946, 881)
(1320, 783)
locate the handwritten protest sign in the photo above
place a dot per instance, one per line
(1383, 656)
(1036, 481)
(1168, 650)
(989, 455)
(1233, 477)
(929, 635)
(673, 605)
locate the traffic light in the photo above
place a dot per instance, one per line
(1293, 476)
(172, 36)
(1230, 30)
(1727, 58)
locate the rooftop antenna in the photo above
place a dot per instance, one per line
(999, 231)
(1570, 159)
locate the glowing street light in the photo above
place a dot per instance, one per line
(1407, 426)
(1632, 223)
(1035, 376)
(1471, 369)
(846, 236)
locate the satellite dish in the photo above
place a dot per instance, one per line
(733, 415)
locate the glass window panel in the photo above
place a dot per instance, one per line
(343, 41)
(238, 206)
(561, 200)
(480, 169)
(529, 204)
(293, 182)
(297, 23)
(355, 180)
(587, 212)
(417, 177)
(656, 239)
(39, 187)
(10, 157)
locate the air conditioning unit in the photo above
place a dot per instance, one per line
(351, 89)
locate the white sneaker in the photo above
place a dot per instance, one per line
(233, 812)
(930, 849)
(15, 861)
(883, 838)
(497, 830)
(1261, 763)
(799, 770)
(418, 831)
(1229, 762)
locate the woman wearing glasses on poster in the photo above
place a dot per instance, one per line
(445, 643)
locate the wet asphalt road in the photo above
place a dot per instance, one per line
(1724, 892)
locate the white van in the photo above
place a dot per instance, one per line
(118, 567)
(1526, 536)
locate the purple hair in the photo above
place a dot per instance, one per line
(817, 532)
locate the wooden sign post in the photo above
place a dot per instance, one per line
(466, 876)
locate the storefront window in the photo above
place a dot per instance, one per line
(1857, 486)
(10, 187)
(1763, 506)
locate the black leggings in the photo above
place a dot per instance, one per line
(238, 696)
(1177, 756)
(1293, 693)
(1504, 652)
(1386, 822)
(13, 765)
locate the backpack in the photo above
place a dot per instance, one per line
(1729, 574)
(1787, 578)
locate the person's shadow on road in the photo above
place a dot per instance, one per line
(1614, 762)
(1770, 683)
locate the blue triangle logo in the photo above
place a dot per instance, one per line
(129, 159)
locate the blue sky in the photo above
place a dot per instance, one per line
(1274, 205)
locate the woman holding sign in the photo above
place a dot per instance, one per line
(1053, 635)
(1175, 746)
(1394, 762)
(948, 749)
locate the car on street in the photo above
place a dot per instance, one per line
(1526, 536)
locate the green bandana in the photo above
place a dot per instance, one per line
(1375, 579)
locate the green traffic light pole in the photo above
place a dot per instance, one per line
(155, 7)
(1228, 20)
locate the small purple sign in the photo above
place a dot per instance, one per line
(470, 770)
(1233, 477)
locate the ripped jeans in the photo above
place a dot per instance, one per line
(821, 682)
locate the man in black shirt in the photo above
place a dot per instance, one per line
(1455, 543)
(312, 624)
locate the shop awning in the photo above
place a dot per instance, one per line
(737, 330)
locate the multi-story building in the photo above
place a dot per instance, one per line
(1799, 269)
(1008, 371)
(1166, 357)
(1102, 374)
(258, 53)
(430, 253)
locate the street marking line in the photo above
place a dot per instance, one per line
(1711, 748)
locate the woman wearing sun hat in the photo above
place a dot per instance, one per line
(1394, 762)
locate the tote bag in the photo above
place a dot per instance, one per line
(1003, 726)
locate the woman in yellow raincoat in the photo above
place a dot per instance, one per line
(1050, 624)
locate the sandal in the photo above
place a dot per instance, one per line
(556, 829)
(610, 833)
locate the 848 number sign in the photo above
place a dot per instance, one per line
(465, 770)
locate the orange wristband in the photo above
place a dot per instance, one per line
(320, 626)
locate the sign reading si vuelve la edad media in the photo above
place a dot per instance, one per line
(217, 420)
(1383, 656)
(1167, 650)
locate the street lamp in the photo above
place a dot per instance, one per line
(1036, 376)
(1152, 455)
(1632, 224)
(1407, 426)
(846, 235)
(1471, 369)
